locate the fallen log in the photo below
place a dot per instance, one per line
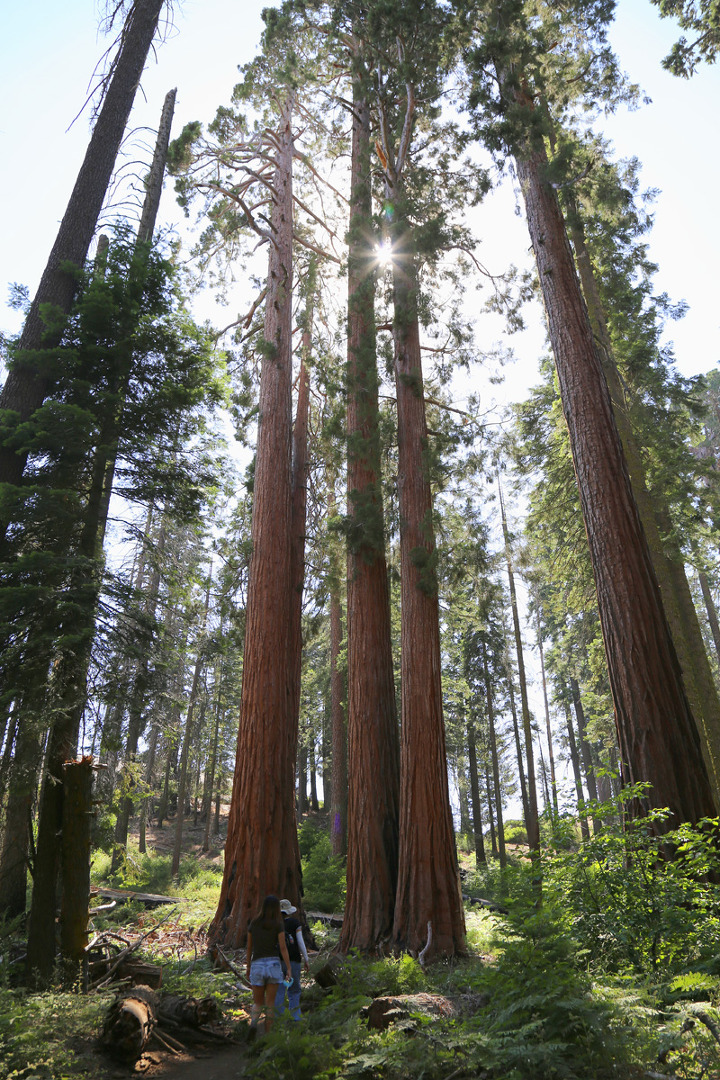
(188, 1012)
(140, 973)
(148, 899)
(489, 904)
(138, 1015)
(130, 1023)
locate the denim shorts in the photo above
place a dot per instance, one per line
(268, 969)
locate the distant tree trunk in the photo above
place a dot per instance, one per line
(184, 756)
(339, 788)
(314, 805)
(532, 820)
(657, 732)
(459, 768)
(494, 757)
(491, 816)
(548, 729)
(149, 769)
(165, 796)
(373, 747)
(585, 749)
(263, 804)
(516, 727)
(25, 387)
(214, 755)
(575, 759)
(136, 706)
(17, 832)
(480, 856)
(428, 881)
(711, 610)
(302, 781)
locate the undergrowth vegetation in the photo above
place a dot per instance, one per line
(616, 973)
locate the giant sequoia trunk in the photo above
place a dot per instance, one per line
(657, 525)
(657, 732)
(261, 853)
(338, 695)
(428, 892)
(373, 750)
(300, 466)
(25, 387)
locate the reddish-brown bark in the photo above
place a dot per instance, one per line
(428, 891)
(373, 751)
(261, 853)
(300, 466)
(339, 786)
(657, 733)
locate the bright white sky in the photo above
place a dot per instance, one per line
(49, 51)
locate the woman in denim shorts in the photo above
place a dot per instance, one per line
(265, 945)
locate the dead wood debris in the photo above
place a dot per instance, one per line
(138, 1015)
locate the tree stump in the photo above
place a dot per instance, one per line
(384, 1011)
(75, 862)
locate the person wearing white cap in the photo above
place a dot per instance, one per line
(297, 953)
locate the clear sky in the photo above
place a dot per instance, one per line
(49, 51)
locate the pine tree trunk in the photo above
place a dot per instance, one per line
(575, 759)
(548, 729)
(184, 757)
(261, 853)
(302, 781)
(214, 757)
(22, 790)
(428, 889)
(480, 856)
(656, 730)
(373, 747)
(25, 388)
(585, 749)
(711, 610)
(532, 820)
(491, 816)
(494, 757)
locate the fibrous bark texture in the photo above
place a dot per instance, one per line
(373, 749)
(261, 853)
(657, 733)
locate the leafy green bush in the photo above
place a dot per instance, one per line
(323, 872)
(515, 832)
(629, 905)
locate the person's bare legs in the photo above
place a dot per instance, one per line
(270, 990)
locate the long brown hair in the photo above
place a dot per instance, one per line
(271, 915)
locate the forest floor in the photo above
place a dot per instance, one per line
(209, 1059)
